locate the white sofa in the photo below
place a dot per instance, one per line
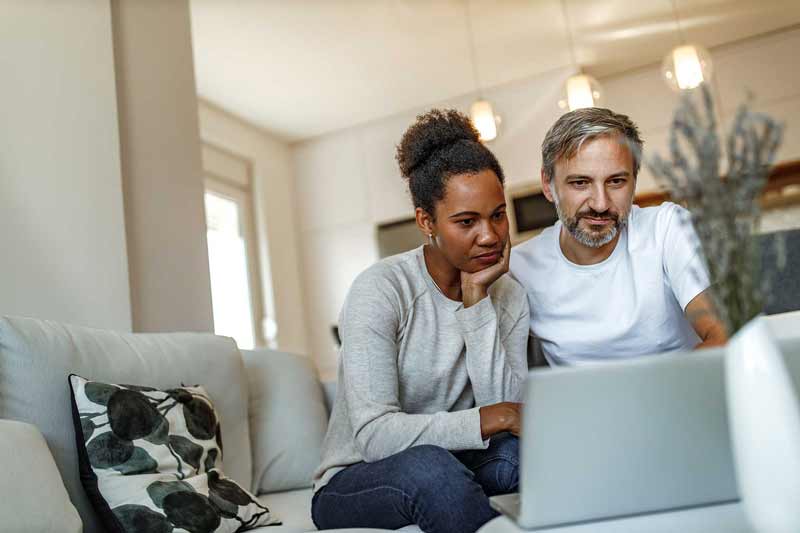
(272, 409)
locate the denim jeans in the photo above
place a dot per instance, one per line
(438, 490)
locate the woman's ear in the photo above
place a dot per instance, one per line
(425, 222)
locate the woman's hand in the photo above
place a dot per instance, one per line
(475, 286)
(500, 417)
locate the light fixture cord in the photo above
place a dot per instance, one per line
(678, 25)
(472, 56)
(570, 39)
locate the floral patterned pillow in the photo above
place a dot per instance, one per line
(151, 461)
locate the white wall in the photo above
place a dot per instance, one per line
(161, 166)
(62, 235)
(275, 216)
(348, 182)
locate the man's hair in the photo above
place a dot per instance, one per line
(572, 129)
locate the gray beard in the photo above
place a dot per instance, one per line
(587, 238)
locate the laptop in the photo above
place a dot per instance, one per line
(618, 439)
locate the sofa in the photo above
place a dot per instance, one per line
(273, 414)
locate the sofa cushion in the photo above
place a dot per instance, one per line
(293, 508)
(288, 419)
(37, 356)
(32, 496)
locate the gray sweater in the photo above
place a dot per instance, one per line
(415, 366)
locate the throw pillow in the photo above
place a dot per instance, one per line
(151, 460)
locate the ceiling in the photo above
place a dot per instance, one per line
(303, 68)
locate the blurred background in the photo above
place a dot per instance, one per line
(223, 166)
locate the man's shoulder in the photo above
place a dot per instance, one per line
(653, 224)
(530, 259)
(535, 246)
(657, 217)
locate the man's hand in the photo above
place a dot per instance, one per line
(475, 286)
(702, 314)
(500, 417)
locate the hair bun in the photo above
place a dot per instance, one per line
(432, 131)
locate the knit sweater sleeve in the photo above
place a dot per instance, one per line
(369, 325)
(497, 359)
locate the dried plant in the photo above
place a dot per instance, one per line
(724, 208)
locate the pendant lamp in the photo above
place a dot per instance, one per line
(580, 90)
(686, 66)
(481, 111)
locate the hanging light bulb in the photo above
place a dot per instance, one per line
(483, 118)
(581, 91)
(686, 67)
(481, 112)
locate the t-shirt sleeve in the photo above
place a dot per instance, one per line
(684, 264)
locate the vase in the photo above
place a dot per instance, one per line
(764, 420)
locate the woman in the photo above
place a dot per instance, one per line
(424, 426)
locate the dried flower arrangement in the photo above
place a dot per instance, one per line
(725, 207)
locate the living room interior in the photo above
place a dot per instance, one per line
(347, 189)
(228, 167)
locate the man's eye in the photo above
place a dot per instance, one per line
(618, 181)
(580, 184)
(500, 216)
(466, 222)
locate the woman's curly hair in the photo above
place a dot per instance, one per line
(439, 145)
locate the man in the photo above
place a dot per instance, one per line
(610, 280)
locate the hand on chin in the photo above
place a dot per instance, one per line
(475, 285)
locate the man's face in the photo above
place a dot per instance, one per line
(593, 190)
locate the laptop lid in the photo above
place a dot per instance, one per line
(624, 438)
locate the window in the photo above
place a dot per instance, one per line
(235, 286)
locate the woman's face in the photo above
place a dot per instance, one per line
(471, 226)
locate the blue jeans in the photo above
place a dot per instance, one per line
(438, 490)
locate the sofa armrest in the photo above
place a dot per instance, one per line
(32, 494)
(329, 388)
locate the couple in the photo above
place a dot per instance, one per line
(426, 420)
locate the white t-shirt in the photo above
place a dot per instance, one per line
(630, 304)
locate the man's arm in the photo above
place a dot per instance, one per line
(704, 319)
